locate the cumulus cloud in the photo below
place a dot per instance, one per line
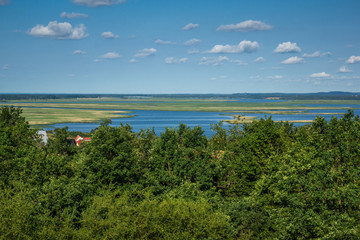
(193, 41)
(293, 60)
(61, 30)
(320, 75)
(73, 15)
(353, 59)
(316, 54)
(109, 35)
(145, 52)
(162, 42)
(133, 60)
(246, 26)
(344, 69)
(287, 47)
(97, 3)
(4, 2)
(190, 26)
(259, 60)
(171, 60)
(111, 55)
(79, 52)
(242, 47)
(215, 61)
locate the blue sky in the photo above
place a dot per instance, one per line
(188, 46)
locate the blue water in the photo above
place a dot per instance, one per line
(162, 119)
(157, 119)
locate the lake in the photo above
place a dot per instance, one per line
(162, 119)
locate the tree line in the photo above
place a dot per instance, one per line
(259, 180)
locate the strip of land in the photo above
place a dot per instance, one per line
(50, 111)
(48, 116)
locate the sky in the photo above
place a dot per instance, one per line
(188, 46)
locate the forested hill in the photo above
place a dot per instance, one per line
(264, 180)
(284, 96)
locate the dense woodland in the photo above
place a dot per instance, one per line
(262, 180)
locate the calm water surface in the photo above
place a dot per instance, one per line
(162, 119)
(157, 119)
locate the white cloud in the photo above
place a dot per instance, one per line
(183, 60)
(190, 26)
(193, 41)
(79, 52)
(320, 75)
(193, 51)
(111, 55)
(73, 15)
(293, 60)
(97, 3)
(109, 35)
(162, 42)
(133, 60)
(97, 60)
(171, 60)
(145, 52)
(223, 76)
(353, 59)
(239, 62)
(259, 60)
(344, 69)
(287, 47)
(246, 26)
(4, 2)
(61, 30)
(258, 77)
(275, 77)
(215, 61)
(213, 79)
(6, 67)
(242, 47)
(316, 54)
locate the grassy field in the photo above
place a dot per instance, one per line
(96, 109)
(47, 116)
(185, 105)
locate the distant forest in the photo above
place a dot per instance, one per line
(284, 96)
(259, 180)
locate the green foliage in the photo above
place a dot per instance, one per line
(262, 180)
(116, 216)
(110, 157)
(16, 140)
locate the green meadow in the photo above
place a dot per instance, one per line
(47, 116)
